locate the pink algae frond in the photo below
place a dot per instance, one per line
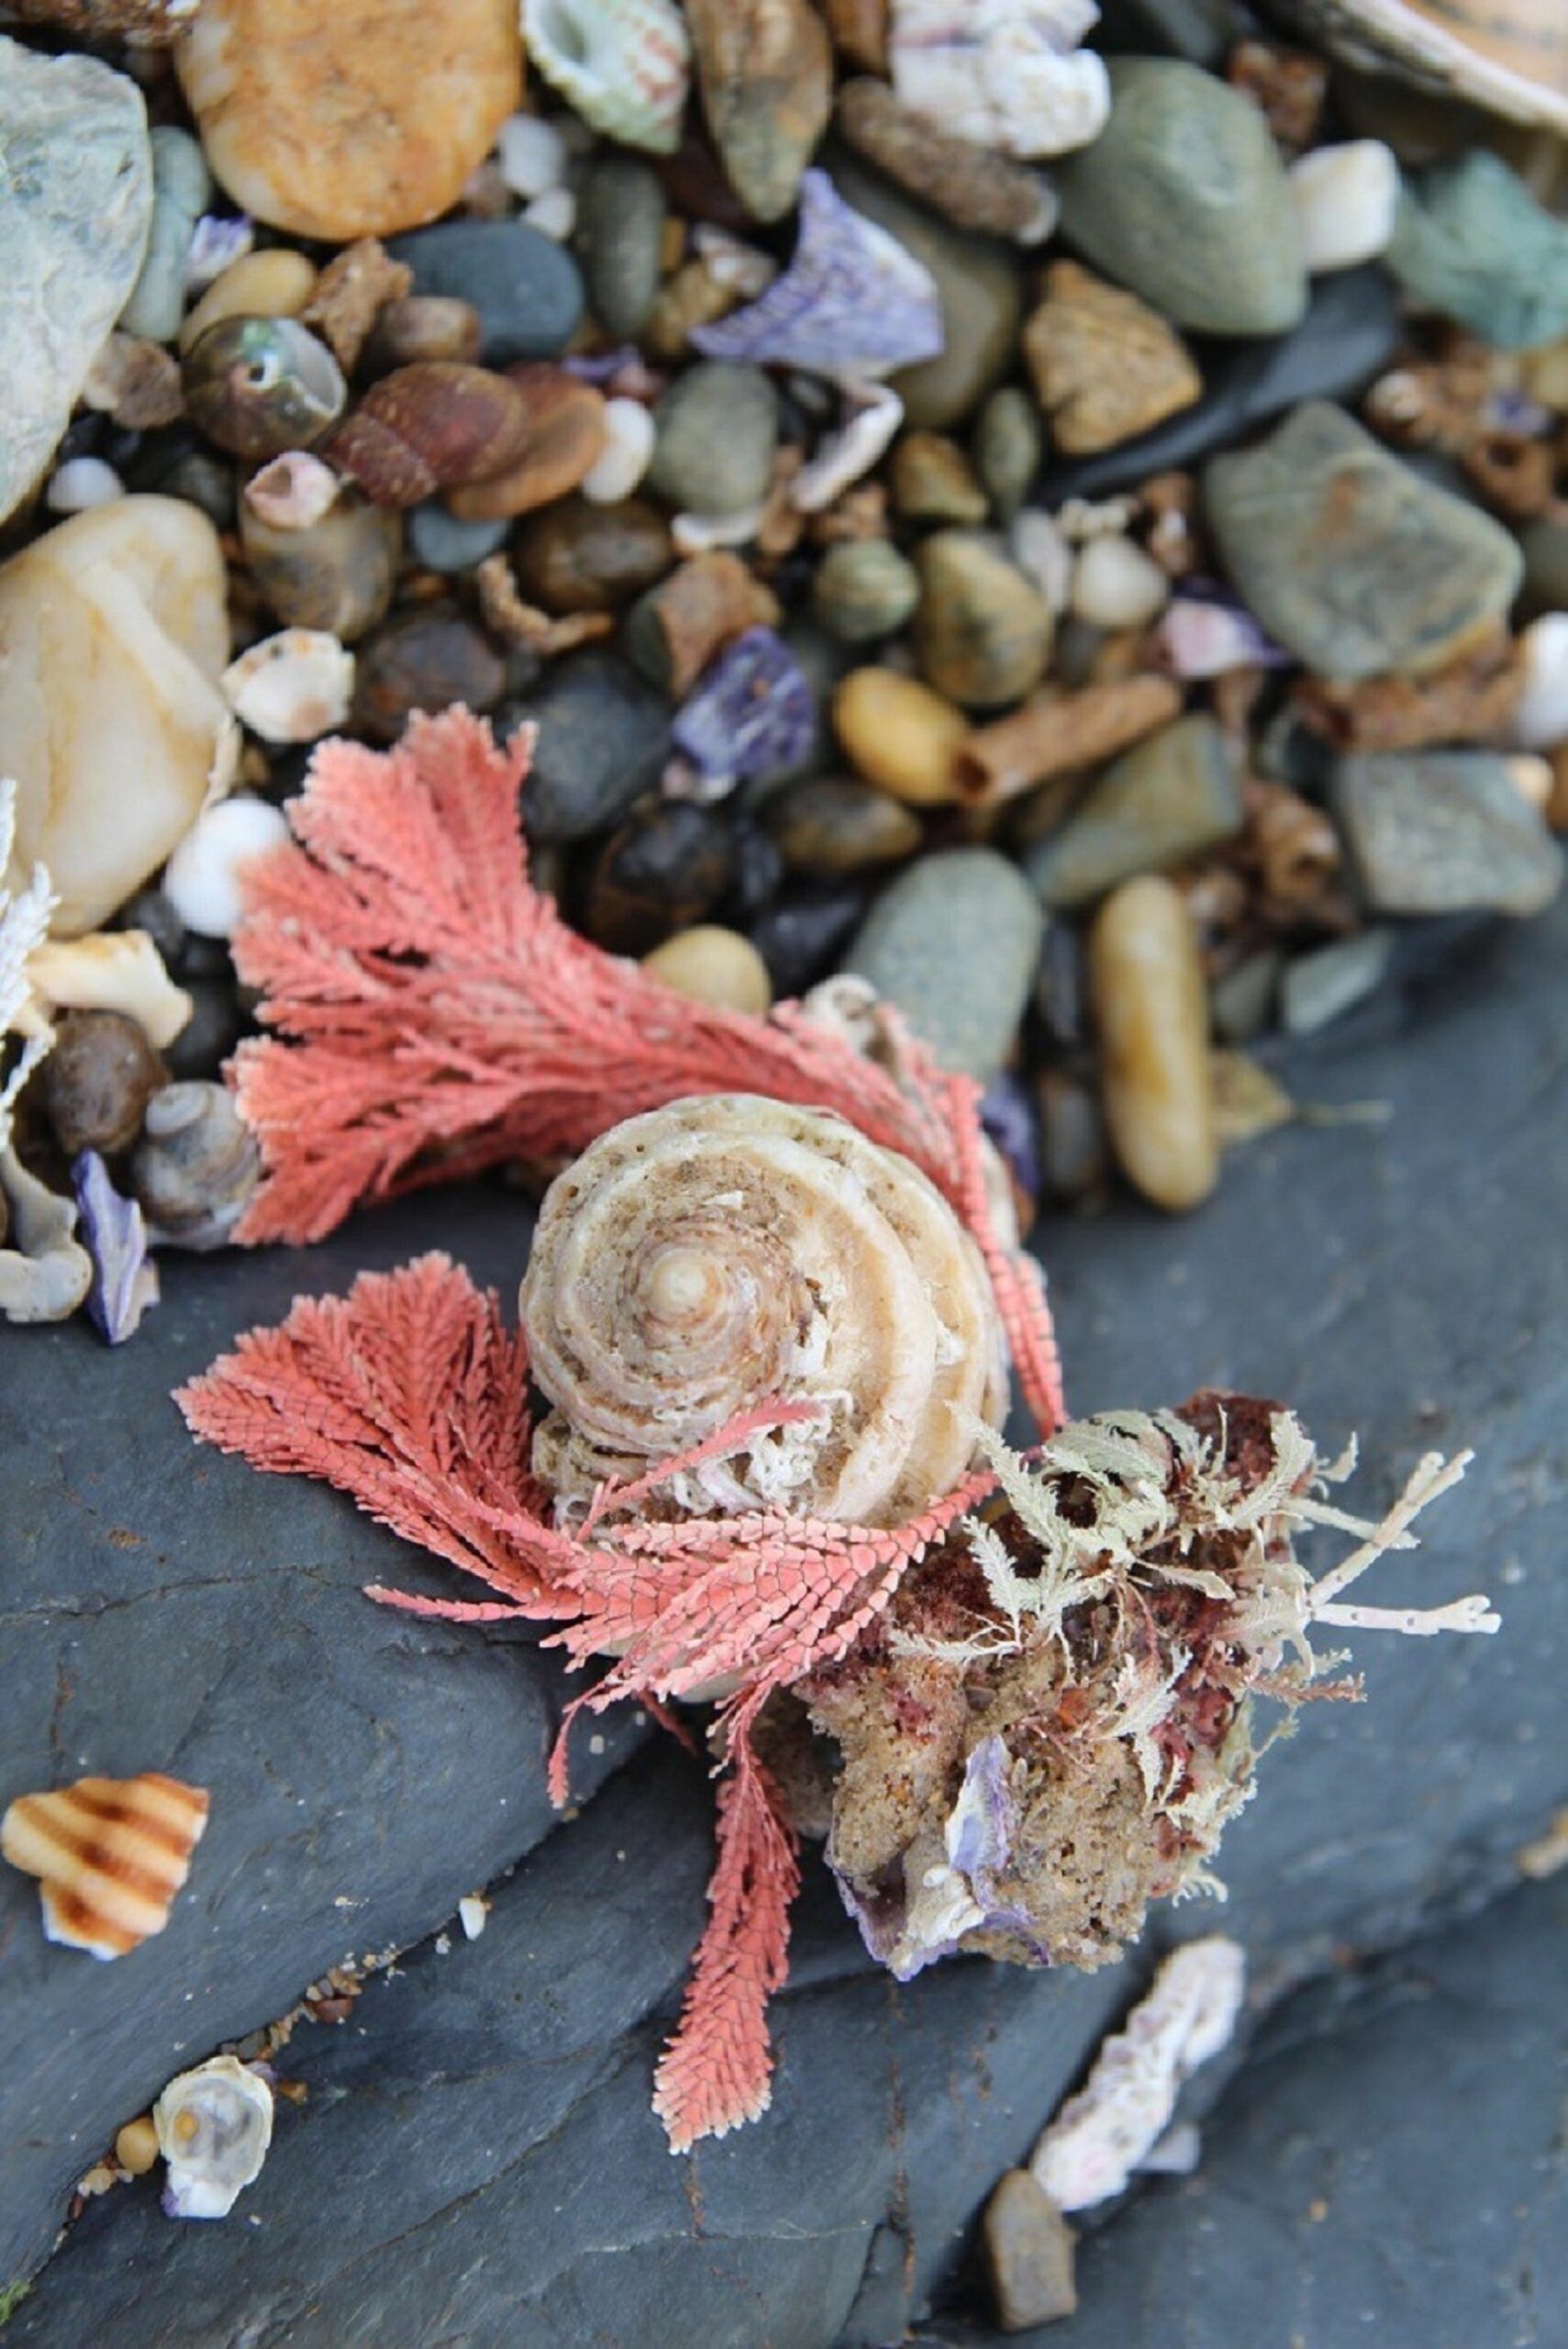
(410, 1396)
(434, 1016)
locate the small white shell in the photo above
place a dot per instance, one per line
(872, 414)
(1540, 720)
(213, 2127)
(293, 491)
(1345, 200)
(626, 456)
(292, 687)
(201, 880)
(533, 155)
(624, 64)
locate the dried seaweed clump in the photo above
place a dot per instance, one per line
(1054, 1721)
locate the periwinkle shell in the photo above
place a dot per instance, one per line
(257, 387)
(196, 1166)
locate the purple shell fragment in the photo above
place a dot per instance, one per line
(751, 712)
(125, 1282)
(853, 302)
(1008, 1115)
(1206, 630)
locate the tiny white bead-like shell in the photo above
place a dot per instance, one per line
(729, 1249)
(213, 2127)
(201, 879)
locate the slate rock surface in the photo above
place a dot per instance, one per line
(75, 205)
(477, 2161)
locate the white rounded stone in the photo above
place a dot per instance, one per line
(1345, 200)
(626, 456)
(1117, 586)
(201, 879)
(553, 213)
(80, 483)
(1043, 554)
(1540, 720)
(533, 155)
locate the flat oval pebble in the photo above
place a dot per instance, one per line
(900, 735)
(953, 942)
(575, 556)
(831, 825)
(666, 868)
(715, 967)
(526, 289)
(625, 458)
(715, 431)
(1471, 242)
(1345, 198)
(864, 590)
(1147, 986)
(352, 120)
(1183, 197)
(619, 242)
(1443, 831)
(423, 659)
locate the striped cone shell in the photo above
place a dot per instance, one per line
(110, 1855)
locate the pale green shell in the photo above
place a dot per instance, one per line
(625, 65)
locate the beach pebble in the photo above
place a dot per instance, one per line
(426, 659)
(75, 202)
(979, 288)
(181, 187)
(864, 590)
(766, 78)
(1541, 716)
(337, 574)
(277, 282)
(1028, 2249)
(201, 879)
(292, 687)
(1106, 366)
(716, 429)
(604, 736)
(966, 180)
(81, 482)
(1349, 558)
(1071, 1134)
(1322, 985)
(900, 735)
(1146, 987)
(97, 1080)
(354, 120)
(619, 242)
(664, 869)
(553, 213)
(439, 541)
(111, 720)
(1443, 831)
(1115, 584)
(532, 154)
(421, 325)
(1168, 798)
(953, 942)
(1008, 445)
(627, 451)
(526, 289)
(802, 934)
(933, 481)
(1183, 199)
(1345, 200)
(983, 631)
(1471, 242)
(575, 556)
(136, 2145)
(830, 825)
(715, 967)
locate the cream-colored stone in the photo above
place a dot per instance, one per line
(713, 966)
(353, 119)
(113, 635)
(901, 735)
(1151, 1011)
(274, 283)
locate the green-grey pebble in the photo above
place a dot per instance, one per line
(831, 825)
(983, 631)
(1009, 445)
(337, 574)
(618, 243)
(1544, 545)
(181, 185)
(1347, 557)
(1471, 241)
(1184, 198)
(954, 943)
(978, 284)
(1331, 980)
(1443, 831)
(864, 590)
(717, 427)
(1168, 798)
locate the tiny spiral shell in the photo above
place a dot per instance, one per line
(730, 1250)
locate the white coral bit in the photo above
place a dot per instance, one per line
(1107, 2130)
(23, 924)
(1432, 1478)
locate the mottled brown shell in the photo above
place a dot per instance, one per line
(729, 1249)
(429, 426)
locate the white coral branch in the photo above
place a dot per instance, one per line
(24, 925)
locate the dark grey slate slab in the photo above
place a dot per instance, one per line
(478, 2164)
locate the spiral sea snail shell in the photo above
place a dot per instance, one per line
(728, 1250)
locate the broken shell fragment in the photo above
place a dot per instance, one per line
(110, 1855)
(45, 1272)
(213, 2127)
(292, 687)
(1008, 74)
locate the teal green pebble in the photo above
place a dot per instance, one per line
(1348, 558)
(1183, 197)
(1168, 798)
(1472, 242)
(619, 242)
(953, 942)
(181, 187)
